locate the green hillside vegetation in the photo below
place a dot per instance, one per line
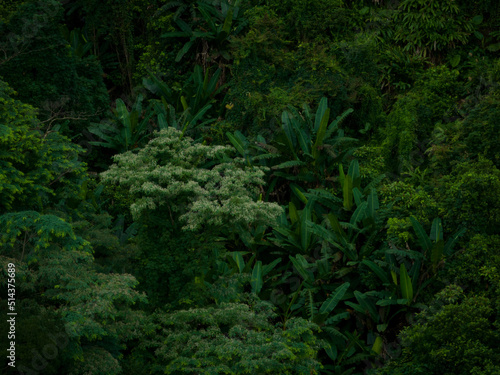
(250, 187)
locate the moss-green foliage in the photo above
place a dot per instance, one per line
(112, 28)
(481, 129)
(469, 197)
(406, 200)
(170, 260)
(231, 339)
(414, 116)
(158, 54)
(459, 335)
(57, 265)
(424, 28)
(34, 166)
(312, 20)
(67, 89)
(415, 84)
(273, 69)
(473, 131)
(479, 258)
(371, 161)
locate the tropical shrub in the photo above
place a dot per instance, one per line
(34, 166)
(62, 284)
(67, 89)
(472, 266)
(469, 197)
(415, 115)
(127, 130)
(457, 335)
(230, 339)
(186, 195)
(173, 173)
(424, 28)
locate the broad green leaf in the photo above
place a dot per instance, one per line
(373, 204)
(290, 164)
(199, 114)
(476, 20)
(454, 61)
(248, 266)
(320, 136)
(334, 223)
(269, 267)
(256, 282)
(423, 238)
(378, 345)
(334, 125)
(184, 50)
(337, 318)
(299, 192)
(354, 172)
(331, 351)
(406, 284)
(448, 248)
(382, 327)
(302, 136)
(183, 25)
(394, 277)
(320, 114)
(288, 129)
(341, 175)
(358, 214)
(369, 307)
(238, 258)
(334, 298)
(357, 196)
(382, 275)
(388, 302)
(299, 264)
(356, 307)
(236, 143)
(347, 193)
(437, 252)
(323, 233)
(305, 233)
(292, 210)
(436, 230)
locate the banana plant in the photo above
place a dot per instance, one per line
(347, 226)
(186, 121)
(433, 245)
(78, 42)
(195, 94)
(315, 297)
(312, 144)
(235, 261)
(127, 130)
(411, 265)
(295, 236)
(215, 28)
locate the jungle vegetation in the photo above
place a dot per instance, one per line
(251, 186)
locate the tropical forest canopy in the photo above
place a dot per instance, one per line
(251, 186)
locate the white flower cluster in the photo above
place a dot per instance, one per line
(173, 173)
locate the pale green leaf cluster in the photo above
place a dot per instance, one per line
(233, 339)
(172, 173)
(32, 166)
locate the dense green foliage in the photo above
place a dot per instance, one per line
(250, 186)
